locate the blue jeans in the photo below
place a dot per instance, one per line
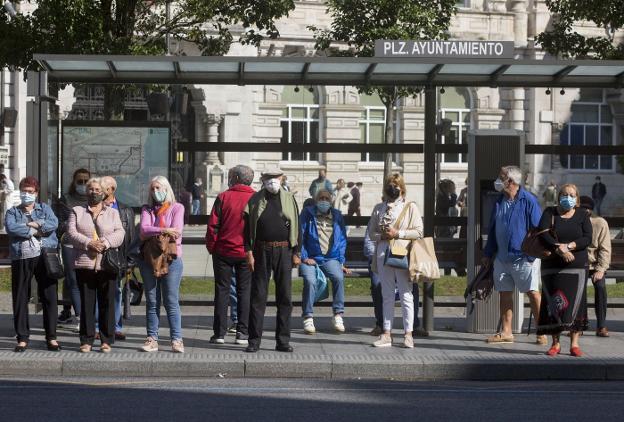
(118, 316)
(333, 271)
(195, 207)
(70, 284)
(233, 299)
(167, 287)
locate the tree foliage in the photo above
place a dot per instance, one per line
(563, 40)
(358, 23)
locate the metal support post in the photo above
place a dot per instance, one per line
(429, 199)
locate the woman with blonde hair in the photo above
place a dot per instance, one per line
(567, 233)
(394, 222)
(162, 216)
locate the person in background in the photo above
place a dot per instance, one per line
(286, 186)
(31, 226)
(369, 253)
(91, 230)
(197, 193)
(321, 182)
(516, 212)
(126, 214)
(550, 194)
(162, 216)
(599, 191)
(186, 199)
(323, 245)
(567, 232)
(342, 197)
(225, 242)
(599, 257)
(6, 196)
(446, 200)
(76, 196)
(356, 195)
(272, 246)
(401, 221)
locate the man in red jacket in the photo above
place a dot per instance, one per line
(224, 241)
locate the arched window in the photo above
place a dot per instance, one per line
(591, 123)
(372, 125)
(300, 121)
(455, 105)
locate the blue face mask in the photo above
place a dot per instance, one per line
(159, 196)
(27, 198)
(323, 206)
(567, 202)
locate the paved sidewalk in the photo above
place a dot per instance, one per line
(449, 353)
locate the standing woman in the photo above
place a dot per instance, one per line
(564, 276)
(91, 230)
(163, 215)
(31, 226)
(396, 219)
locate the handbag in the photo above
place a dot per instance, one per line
(320, 287)
(136, 289)
(423, 260)
(482, 286)
(53, 263)
(397, 256)
(534, 246)
(112, 261)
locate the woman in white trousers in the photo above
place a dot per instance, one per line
(395, 221)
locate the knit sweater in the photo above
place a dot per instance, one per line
(81, 229)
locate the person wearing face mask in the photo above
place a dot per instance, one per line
(342, 197)
(550, 194)
(31, 226)
(394, 221)
(516, 212)
(224, 241)
(567, 232)
(323, 244)
(197, 193)
(91, 230)
(272, 246)
(76, 196)
(162, 217)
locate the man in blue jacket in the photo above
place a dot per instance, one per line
(516, 211)
(323, 244)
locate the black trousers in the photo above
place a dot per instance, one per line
(276, 260)
(223, 270)
(22, 272)
(102, 285)
(600, 301)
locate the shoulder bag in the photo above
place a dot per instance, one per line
(397, 256)
(423, 261)
(53, 263)
(533, 246)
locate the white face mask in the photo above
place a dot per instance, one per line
(499, 185)
(81, 189)
(272, 185)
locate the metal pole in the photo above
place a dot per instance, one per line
(167, 20)
(429, 199)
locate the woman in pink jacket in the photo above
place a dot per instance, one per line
(91, 230)
(162, 215)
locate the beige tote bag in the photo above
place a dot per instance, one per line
(423, 261)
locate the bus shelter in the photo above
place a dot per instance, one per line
(430, 73)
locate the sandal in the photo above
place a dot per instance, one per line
(576, 351)
(499, 338)
(554, 350)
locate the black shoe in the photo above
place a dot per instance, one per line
(284, 348)
(64, 317)
(252, 348)
(54, 347)
(20, 349)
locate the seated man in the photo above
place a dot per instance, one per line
(323, 243)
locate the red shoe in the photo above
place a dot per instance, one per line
(576, 351)
(554, 350)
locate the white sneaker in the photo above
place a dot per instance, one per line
(385, 340)
(177, 346)
(308, 326)
(338, 323)
(150, 345)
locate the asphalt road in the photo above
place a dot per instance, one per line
(186, 400)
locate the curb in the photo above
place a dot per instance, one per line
(273, 365)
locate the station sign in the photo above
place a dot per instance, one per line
(450, 49)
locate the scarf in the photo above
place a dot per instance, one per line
(385, 222)
(160, 213)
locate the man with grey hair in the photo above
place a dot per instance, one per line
(126, 214)
(225, 242)
(515, 212)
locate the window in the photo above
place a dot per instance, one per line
(462, 4)
(591, 123)
(300, 121)
(455, 105)
(372, 126)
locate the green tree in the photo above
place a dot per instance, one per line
(356, 24)
(561, 39)
(136, 27)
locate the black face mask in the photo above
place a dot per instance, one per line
(95, 198)
(392, 192)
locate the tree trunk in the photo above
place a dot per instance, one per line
(389, 138)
